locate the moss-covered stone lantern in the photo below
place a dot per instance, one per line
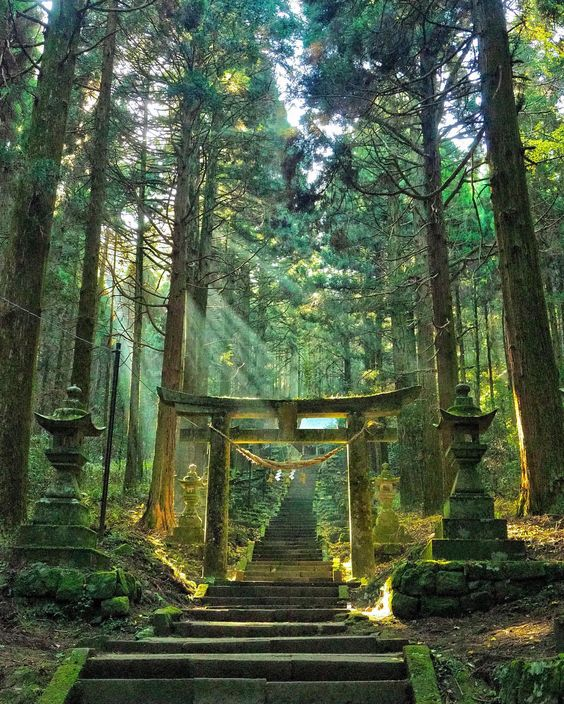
(190, 529)
(388, 534)
(59, 531)
(469, 530)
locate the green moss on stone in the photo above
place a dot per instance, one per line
(58, 691)
(403, 606)
(116, 607)
(71, 585)
(37, 580)
(536, 682)
(451, 583)
(440, 606)
(163, 619)
(518, 571)
(421, 675)
(101, 585)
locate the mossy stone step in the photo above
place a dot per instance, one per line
(297, 614)
(254, 629)
(272, 589)
(307, 644)
(278, 601)
(238, 691)
(270, 666)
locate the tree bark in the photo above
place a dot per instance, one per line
(159, 512)
(134, 462)
(489, 353)
(88, 300)
(25, 255)
(460, 334)
(532, 364)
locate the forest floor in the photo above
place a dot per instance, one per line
(467, 650)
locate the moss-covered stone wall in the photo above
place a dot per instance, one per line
(435, 588)
(109, 591)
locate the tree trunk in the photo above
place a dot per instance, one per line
(159, 512)
(25, 255)
(460, 333)
(489, 353)
(437, 247)
(477, 365)
(134, 462)
(531, 355)
(88, 300)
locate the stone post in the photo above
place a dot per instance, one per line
(215, 549)
(190, 528)
(360, 501)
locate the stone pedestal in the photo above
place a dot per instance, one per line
(59, 532)
(468, 529)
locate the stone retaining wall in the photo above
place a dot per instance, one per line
(435, 588)
(109, 591)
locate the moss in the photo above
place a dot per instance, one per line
(58, 691)
(163, 619)
(116, 607)
(536, 682)
(422, 674)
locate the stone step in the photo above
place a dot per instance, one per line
(254, 629)
(240, 691)
(301, 563)
(312, 644)
(277, 667)
(297, 614)
(262, 571)
(278, 601)
(272, 589)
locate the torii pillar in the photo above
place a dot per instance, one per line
(360, 500)
(217, 513)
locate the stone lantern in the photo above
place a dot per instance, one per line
(190, 529)
(59, 532)
(468, 530)
(388, 534)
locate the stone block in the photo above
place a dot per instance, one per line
(56, 536)
(37, 580)
(163, 619)
(403, 606)
(398, 573)
(124, 550)
(475, 549)
(122, 586)
(71, 585)
(465, 529)
(440, 606)
(61, 512)
(477, 601)
(522, 570)
(419, 579)
(510, 591)
(483, 570)
(469, 506)
(101, 585)
(116, 607)
(451, 583)
(555, 571)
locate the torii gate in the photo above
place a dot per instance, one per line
(223, 410)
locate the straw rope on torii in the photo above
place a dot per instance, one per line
(290, 465)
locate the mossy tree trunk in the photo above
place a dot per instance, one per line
(437, 243)
(88, 299)
(159, 512)
(134, 462)
(25, 254)
(533, 370)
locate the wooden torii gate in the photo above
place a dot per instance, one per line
(221, 411)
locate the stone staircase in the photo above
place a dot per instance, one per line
(290, 548)
(280, 641)
(252, 643)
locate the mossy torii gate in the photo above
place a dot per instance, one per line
(358, 410)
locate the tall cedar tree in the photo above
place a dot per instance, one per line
(25, 257)
(532, 365)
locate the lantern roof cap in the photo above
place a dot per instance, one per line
(71, 416)
(464, 408)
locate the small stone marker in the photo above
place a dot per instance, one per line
(59, 532)
(468, 530)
